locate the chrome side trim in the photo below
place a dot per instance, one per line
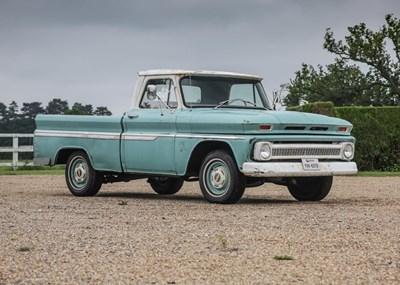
(129, 136)
(200, 136)
(154, 136)
(138, 137)
(77, 134)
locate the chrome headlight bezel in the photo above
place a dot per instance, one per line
(262, 151)
(348, 151)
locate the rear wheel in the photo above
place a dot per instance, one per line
(220, 180)
(310, 188)
(81, 178)
(165, 185)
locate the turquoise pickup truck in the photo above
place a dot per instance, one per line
(217, 128)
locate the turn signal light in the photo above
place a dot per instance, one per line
(342, 129)
(265, 127)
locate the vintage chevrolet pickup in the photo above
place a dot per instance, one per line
(217, 128)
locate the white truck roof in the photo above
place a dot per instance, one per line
(197, 73)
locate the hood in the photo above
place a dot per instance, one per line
(243, 121)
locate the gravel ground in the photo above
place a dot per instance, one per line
(127, 234)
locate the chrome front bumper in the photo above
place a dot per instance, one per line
(292, 169)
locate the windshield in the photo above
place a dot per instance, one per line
(202, 91)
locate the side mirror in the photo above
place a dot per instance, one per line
(274, 96)
(151, 92)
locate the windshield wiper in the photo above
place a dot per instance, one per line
(228, 102)
(255, 105)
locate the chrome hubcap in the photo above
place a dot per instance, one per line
(218, 177)
(80, 172)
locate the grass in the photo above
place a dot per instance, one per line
(33, 170)
(377, 174)
(283, 257)
(25, 249)
(123, 203)
(223, 240)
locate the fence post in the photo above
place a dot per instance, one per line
(15, 152)
(15, 149)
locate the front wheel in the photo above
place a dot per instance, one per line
(165, 185)
(310, 188)
(82, 179)
(220, 180)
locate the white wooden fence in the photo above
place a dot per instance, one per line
(16, 149)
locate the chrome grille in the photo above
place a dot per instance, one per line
(289, 151)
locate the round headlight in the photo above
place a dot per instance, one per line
(265, 151)
(348, 151)
(262, 151)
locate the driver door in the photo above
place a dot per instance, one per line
(149, 137)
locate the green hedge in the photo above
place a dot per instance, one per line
(377, 130)
(324, 108)
(377, 133)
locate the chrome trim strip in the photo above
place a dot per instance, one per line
(199, 136)
(138, 137)
(129, 136)
(153, 136)
(77, 134)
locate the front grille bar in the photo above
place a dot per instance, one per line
(293, 151)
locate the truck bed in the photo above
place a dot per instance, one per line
(99, 136)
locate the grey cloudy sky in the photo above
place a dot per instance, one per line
(90, 51)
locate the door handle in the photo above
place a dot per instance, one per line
(133, 116)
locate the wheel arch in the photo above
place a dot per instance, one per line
(64, 153)
(201, 150)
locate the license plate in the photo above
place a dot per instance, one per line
(310, 164)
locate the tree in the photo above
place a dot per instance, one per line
(366, 46)
(74, 112)
(339, 83)
(57, 107)
(30, 110)
(102, 111)
(3, 114)
(13, 120)
(3, 111)
(88, 109)
(12, 111)
(10, 120)
(26, 121)
(79, 109)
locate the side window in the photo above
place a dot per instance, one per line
(166, 94)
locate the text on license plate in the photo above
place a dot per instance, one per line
(310, 163)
